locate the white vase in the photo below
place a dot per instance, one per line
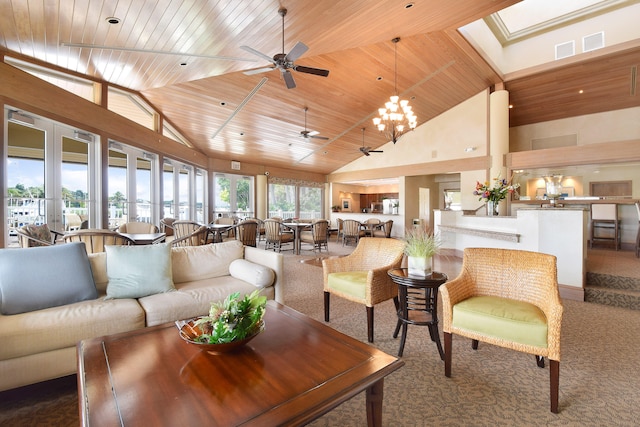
(419, 266)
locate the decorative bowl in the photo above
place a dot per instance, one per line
(189, 332)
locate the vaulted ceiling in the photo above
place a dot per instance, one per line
(185, 58)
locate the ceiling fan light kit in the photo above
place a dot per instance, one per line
(285, 62)
(396, 117)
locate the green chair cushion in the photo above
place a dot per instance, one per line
(349, 282)
(503, 318)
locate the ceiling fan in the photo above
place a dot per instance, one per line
(285, 62)
(306, 134)
(367, 150)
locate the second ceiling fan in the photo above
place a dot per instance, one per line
(367, 150)
(285, 62)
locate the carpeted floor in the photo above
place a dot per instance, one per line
(599, 381)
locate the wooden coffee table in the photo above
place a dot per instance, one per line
(295, 371)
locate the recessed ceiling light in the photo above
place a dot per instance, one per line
(183, 64)
(408, 5)
(222, 103)
(580, 91)
(379, 78)
(510, 105)
(113, 20)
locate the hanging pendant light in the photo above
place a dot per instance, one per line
(396, 117)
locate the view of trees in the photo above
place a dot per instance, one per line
(73, 199)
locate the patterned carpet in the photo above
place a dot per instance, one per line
(599, 384)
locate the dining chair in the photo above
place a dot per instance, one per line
(604, 218)
(247, 232)
(72, 222)
(384, 229)
(370, 225)
(351, 231)
(96, 239)
(198, 237)
(508, 298)
(32, 235)
(166, 226)
(362, 277)
(275, 237)
(316, 235)
(182, 228)
(138, 227)
(339, 223)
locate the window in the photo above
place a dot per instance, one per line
(233, 195)
(295, 199)
(49, 174)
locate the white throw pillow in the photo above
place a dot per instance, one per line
(138, 271)
(252, 273)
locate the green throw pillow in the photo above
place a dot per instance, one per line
(138, 271)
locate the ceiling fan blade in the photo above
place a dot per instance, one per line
(318, 137)
(260, 54)
(309, 70)
(288, 79)
(298, 50)
(156, 52)
(376, 151)
(258, 71)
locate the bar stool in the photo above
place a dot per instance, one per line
(605, 217)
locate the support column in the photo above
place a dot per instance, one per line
(499, 135)
(262, 188)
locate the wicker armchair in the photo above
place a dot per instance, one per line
(198, 237)
(366, 267)
(32, 235)
(507, 298)
(317, 235)
(96, 239)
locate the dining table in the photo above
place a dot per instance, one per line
(297, 227)
(146, 238)
(218, 230)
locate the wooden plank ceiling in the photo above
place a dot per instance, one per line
(261, 123)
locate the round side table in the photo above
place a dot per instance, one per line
(418, 303)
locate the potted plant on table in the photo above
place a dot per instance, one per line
(335, 208)
(420, 248)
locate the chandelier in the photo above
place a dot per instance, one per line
(396, 118)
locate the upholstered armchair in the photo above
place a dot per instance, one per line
(507, 298)
(362, 276)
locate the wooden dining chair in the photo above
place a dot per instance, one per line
(351, 231)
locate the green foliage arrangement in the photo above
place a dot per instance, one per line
(419, 243)
(232, 319)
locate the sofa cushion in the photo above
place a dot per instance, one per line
(252, 273)
(504, 318)
(191, 263)
(42, 277)
(62, 327)
(193, 299)
(138, 271)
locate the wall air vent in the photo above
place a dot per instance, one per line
(235, 165)
(565, 50)
(593, 42)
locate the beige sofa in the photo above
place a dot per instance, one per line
(41, 344)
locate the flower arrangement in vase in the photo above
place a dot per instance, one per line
(420, 248)
(493, 194)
